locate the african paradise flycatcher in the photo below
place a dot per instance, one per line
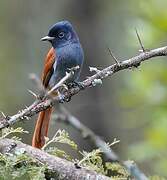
(66, 52)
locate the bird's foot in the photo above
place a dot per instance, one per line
(63, 88)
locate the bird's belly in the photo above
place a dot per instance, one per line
(60, 72)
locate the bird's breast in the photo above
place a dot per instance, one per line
(67, 57)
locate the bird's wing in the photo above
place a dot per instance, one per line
(42, 124)
(48, 67)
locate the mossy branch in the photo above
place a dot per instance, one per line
(61, 168)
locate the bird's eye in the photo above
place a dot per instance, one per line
(61, 35)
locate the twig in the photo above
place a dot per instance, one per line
(108, 71)
(60, 168)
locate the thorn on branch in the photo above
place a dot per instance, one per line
(38, 83)
(32, 93)
(140, 42)
(112, 55)
(5, 116)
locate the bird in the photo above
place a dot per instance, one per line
(66, 52)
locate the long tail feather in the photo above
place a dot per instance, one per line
(41, 128)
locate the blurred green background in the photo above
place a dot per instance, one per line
(130, 106)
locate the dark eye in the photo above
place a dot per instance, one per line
(61, 35)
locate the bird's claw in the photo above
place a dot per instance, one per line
(65, 87)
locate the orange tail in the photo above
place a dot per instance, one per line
(41, 128)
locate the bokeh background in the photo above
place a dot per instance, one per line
(131, 105)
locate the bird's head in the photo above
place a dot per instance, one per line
(61, 34)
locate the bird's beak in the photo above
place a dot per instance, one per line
(47, 38)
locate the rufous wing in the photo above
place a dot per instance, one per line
(48, 67)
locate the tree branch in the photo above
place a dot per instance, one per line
(66, 117)
(61, 168)
(41, 105)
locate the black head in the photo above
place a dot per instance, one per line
(61, 34)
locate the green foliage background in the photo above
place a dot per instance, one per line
(146, 92)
